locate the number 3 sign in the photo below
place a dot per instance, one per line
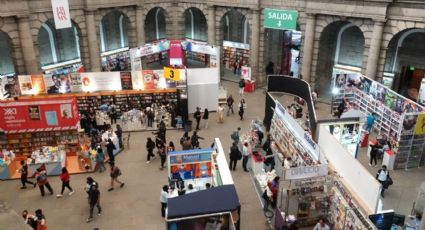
(172, 74)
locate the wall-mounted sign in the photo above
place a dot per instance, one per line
(172, 74)
(61, 14)
(246, 73)
(190, 158)
(97, 81)
(304, 172)
(280, 19)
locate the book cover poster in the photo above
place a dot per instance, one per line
(58, 83)
(76, 84)
(34, 112)
(126, 83)
(38, 84)
(25, 84)
(66, 111)
(51, 118)
(137, 80)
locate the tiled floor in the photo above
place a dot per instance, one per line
(136, 206)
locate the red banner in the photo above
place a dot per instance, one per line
(176, 53)
(38, 115)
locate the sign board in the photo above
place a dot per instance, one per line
(304, 172)
(280, 19)
(246, 73)
(61, 14)
(190, 158)
(236, 45)
(150, 48)
(97, 81)
(172, 74)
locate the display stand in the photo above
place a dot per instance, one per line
(397, 118)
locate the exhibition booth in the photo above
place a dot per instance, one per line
(217, 207)
(398, 120)
(234, 51)
(116, 60)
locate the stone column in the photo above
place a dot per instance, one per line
(211, 25)
(27, 44)
(308, 47)
(255, 42)
(140, 26)
(374, 49)
(94, 52)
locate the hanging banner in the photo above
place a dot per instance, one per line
(61, 14)
(126, 83)
(176, 53)
(172, 74)
(150, 48)
(97, 81)
(246, 73)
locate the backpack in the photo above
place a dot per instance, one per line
(234, 136)
(241, 84)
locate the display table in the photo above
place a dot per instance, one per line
(4, 172)
(250, 86)
(53, 168)
(257, 163)
(389, 159)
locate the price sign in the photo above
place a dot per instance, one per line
(172, 74)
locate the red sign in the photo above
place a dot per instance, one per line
(176, 53)
(39, 115)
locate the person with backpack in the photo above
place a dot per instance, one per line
(235, 155)
(383, 176)
(194, 140)
(115, 173)
(241, 86)
(110, 147)
(235, 136)
(197, 115)
(41, 220)
(94, 200)
(150, 146)
(42, 181)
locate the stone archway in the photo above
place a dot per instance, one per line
(56, 46)
(195, 24)
(235, 27)
(341, 43)
(7, 65)
(155, 24)
(113, 31)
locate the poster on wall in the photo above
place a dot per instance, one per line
(126, 83)
(34, 112)
(421, 97)
(51, 118)
(339, 80)
(57, 83)
(38, 84)
(25, 84)
(75, 82)
(97, 81)
(150, 79)
(409, 123)
(420, 124)
(137, 80)
(381, 92)
(66, 112)
(9, 87)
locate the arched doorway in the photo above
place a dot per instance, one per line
(195, 24)
(155, 24)
(405, 63)
(58, 47)
(341, 48)
(235, 30)
(7, 65)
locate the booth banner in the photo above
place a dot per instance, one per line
(200, 48)
(420, 124)
(190, 158)
(98, 81)
(76, 84)
(136, 62)
(60, 9)
(57, 83)
(126, 82)
(213, 61)
(305, 172)
(172, 74)
(137, 80)
(9, 87)
(151, 48)
(25, 84)
(38, 84)
(246, 73)
(236, 45)
(176, 53)
(38, 115)
(153, 79)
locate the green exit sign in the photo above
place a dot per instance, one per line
(280, 19)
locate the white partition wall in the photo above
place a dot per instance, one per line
(203, 90)
(363, 185)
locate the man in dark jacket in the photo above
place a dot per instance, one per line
(197, 116)
(94, 200)
(235, 155)
(110, 147)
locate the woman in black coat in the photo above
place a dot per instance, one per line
(110, 147)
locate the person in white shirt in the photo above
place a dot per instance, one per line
(245, 153)
(163, 199)
(321, 225)
(382, 176)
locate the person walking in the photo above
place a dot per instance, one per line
(150, 146)
(29, 219)
(150, 115)
(235, 155)
(41, 220)
(118, 132)
(374, 153)
(163, 199)
(341, 108)
(370, 120)
(205, 117)
(24, 175)
(321, 225)
(42, 181)
(235, 135)
(242, 107)
(230, 102)
(187, 144)
(245, 154)
(94, 200)
(220, 113)
(162, 152)
(100, 158)
(115, 173)
(194, 140)
(110, 147)
(113, 113)
(383, 177)
(197, 115)
(64, 176)
(183, 138)
(241, 86)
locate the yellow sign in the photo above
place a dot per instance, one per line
(172, 74)
(420, 124)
